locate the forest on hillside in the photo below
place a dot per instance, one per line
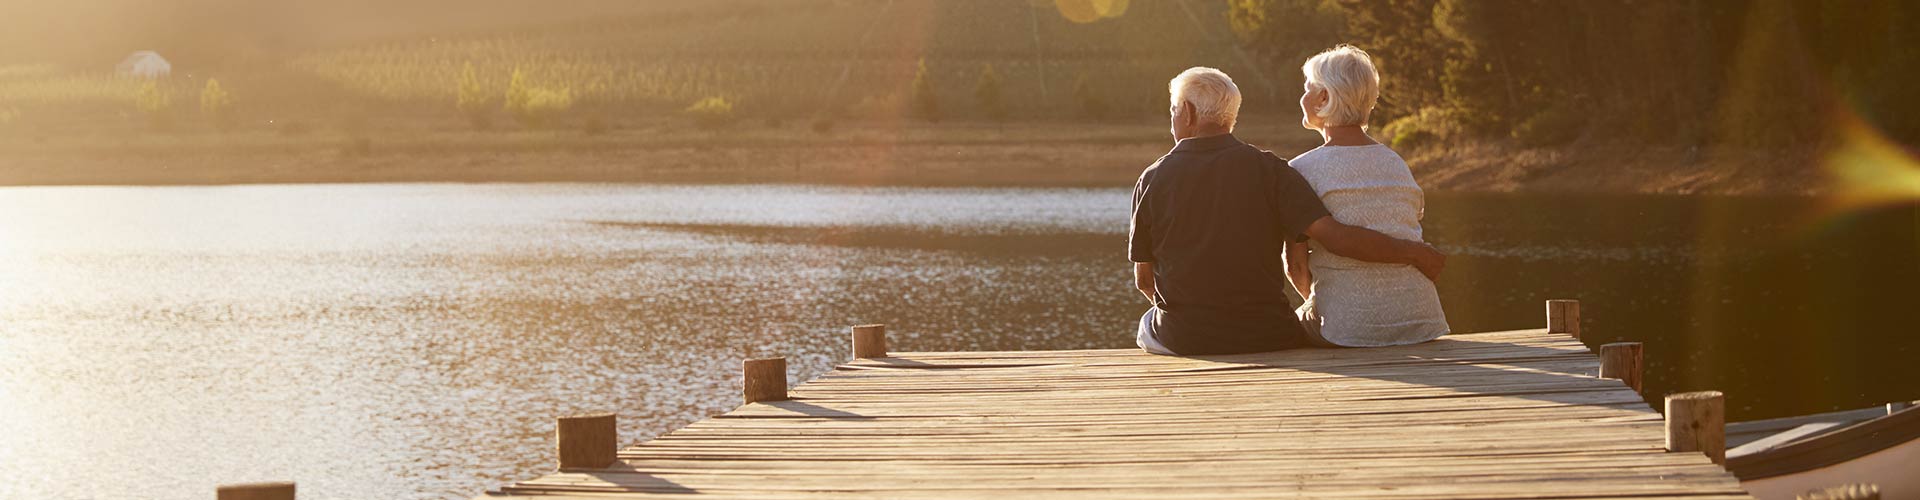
(1756, 75)
(852, 60)
(1761, 74)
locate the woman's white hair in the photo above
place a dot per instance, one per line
(1214, 96)
(1352, 85)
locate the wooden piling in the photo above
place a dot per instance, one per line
(1622, 361)
(587, 441)
(1563, 316)
(255, 491)
(1697, 421)
(869, 341)
(766, 379)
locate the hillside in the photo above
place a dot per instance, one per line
(825, 91)
(769, 58)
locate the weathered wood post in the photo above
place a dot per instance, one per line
(1844, 492)
(255, 491)
(587, 441)
(1621, 360)
(1563, 316)
(766, 379)
(1697, 421)
(869, 341)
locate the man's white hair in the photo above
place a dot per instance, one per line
(1352, 85)
(1214, 96)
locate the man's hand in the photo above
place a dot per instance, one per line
(1297, 271)
(1428, 260)
(1360, 243)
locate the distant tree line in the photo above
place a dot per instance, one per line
(1760, 73)
(154, 100)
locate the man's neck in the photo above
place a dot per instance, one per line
(1205, 132)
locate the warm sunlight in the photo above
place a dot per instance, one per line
(1870, 170)
(463, 249)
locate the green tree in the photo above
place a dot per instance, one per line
(1771, 99)
(1287, 30)
(926, 105)
(519, 94)
(1478, 75)
(710, 113)
(156, 104)
(988, 92)
(1409, 52)
(1767, 74)
(533, 106)
(547, 104)
(474, 102)
(1091, 104)
(217, 105)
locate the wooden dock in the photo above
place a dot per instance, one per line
(1517, 414)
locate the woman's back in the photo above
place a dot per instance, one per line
(1364, 304)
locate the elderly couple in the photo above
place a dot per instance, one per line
(1220, 227)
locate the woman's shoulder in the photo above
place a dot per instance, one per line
(1371, 154)
(1331, 166)
(1312, 158)
(1310, 155)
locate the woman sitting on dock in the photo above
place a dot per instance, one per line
(1209, 228)
(1350, 302)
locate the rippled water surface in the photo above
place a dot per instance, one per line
(415, 341)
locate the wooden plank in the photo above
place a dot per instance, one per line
(1513, 414)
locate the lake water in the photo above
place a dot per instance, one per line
(415, 341)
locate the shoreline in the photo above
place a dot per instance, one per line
(886, 154)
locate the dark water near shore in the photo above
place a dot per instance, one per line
(414, 341)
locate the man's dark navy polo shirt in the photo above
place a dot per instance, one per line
(1214, 216)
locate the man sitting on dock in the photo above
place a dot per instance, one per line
(1209, 229)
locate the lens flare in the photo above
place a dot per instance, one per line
(1867, 170)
